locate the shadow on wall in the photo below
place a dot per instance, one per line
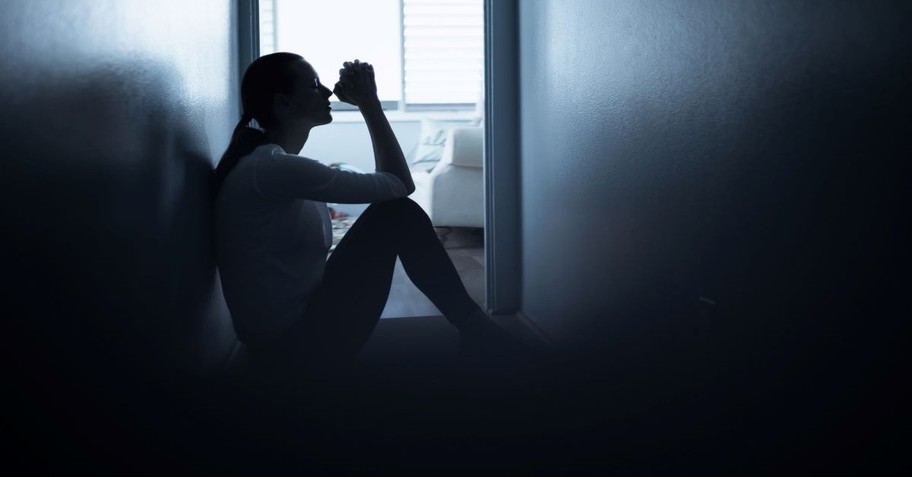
(107, 225)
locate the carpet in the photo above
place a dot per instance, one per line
(340, 227)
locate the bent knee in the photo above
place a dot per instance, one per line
(402, 203)
(397, 208)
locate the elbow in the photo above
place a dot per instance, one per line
(409, 186)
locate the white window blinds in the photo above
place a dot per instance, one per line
(431, 51)
(443, 52)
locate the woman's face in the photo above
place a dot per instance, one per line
(309, 99)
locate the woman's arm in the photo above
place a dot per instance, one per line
(387, 152)
(357, 86)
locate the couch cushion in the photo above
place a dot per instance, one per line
(466, 147)
(432, 141)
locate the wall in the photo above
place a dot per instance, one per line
(746, 153)
(113, 114)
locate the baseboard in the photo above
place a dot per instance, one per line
(529, 327)
(539, 333)
(231, 361)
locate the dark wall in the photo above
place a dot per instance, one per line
(112, 115)
(747, 153)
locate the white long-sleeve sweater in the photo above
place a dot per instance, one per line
(273, 232)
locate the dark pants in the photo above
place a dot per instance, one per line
(347, 305)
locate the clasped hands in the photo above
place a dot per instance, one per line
(356, 85)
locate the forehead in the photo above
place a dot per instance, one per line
(304, 71)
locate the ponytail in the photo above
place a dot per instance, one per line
(244, 140)
(265, 77)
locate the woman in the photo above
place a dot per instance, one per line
(293, 308)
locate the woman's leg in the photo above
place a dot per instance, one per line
(347, 306)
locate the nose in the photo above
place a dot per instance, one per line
(326, 91)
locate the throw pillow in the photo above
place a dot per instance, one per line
(432, 141)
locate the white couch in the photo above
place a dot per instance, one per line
(452, 193)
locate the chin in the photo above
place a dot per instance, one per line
(322, 121)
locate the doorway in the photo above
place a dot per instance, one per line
(432, 59)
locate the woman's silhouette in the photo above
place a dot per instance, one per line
(294, 309)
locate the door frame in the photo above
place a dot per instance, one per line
(502, 155)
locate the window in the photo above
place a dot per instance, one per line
(443, 52)
(429, 53)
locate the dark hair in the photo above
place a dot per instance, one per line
(265, 77)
